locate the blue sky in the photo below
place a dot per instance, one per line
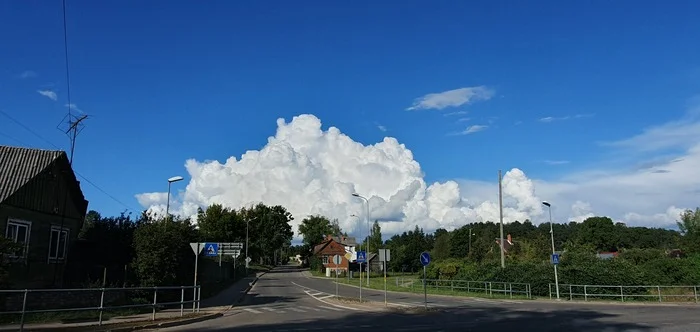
(164, 81)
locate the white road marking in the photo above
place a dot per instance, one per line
(273, 310)
(252, 310)
(325, 297)
(295, 309)
(317, 294)
(310, 308)
(333, 308)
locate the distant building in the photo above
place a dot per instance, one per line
(508, 244)
(332, 246)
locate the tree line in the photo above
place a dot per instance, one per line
(643, 255)
(152, 251)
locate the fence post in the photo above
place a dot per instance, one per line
(452, 285)
(490, 290)
(468, 287)
(550, 291)
(510, 285)
(695, 291)
(182, 301)
(571, 293)
(102, 304)
(24, 308)
(155, 295)
(658, 288)
(622, 294)
(585, 293)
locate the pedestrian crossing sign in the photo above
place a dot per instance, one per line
(211, 249)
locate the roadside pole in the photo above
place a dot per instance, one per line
(385, 302)
(425, 260)
(197, 248)
(360, 282)
(336, 260)
(384, 256)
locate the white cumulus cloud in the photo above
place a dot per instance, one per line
(451, 98)
(310, 170)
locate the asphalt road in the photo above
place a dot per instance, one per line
(285, 299)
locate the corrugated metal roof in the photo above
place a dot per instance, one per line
(19, 165)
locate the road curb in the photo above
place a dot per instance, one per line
(166, 324)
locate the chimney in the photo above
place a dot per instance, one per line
(510, 240)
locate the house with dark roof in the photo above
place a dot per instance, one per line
(42, 208)
(342, 246)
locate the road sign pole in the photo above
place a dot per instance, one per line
(425, 288)
(194, 290)
(336, 282)
(385, 302)
(360, 282)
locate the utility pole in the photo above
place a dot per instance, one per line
(500, 208)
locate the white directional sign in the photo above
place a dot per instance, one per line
(384, 255)
(247, 260)
(337, 259)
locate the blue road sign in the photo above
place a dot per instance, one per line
(425, 258)
(555, 259)
(211, 249)
(361, 256)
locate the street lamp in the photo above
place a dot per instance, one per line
(551, 233)
(167, 205)
(369, 233)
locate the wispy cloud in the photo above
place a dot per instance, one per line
(28, 74)
(74, 107)
(451, 98)
(562, 118)
(48, 94)
(556, 162)
(455, 113)
(463, 119)
(382, 128)
(682, 133)
(470, 130)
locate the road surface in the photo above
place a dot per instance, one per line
(285, 299)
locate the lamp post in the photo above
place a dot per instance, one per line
(167, 205)
(470, 240)
(369, 233)
(551, 233)
(359, 247)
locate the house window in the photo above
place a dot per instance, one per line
(325, 259)
(18, 232)
(57, 244)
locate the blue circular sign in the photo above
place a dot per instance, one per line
(425, 258)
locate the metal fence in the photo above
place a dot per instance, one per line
(488, 288)
(34, 301)
(626, 293)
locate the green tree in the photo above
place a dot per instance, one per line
(600, 232)
(689, 226)
(441, 249)
(163, 253)
(269, 231)
(375, 239)
(220, 224)
(314, 229)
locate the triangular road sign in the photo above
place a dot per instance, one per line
(197, 247)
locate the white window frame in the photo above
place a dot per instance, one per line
(325, 260)
(27, 236)
(59, 256)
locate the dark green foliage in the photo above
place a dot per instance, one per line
(163, 253)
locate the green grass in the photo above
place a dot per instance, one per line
(417, 287)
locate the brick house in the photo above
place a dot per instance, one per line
(42, 208)
(332, 246)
